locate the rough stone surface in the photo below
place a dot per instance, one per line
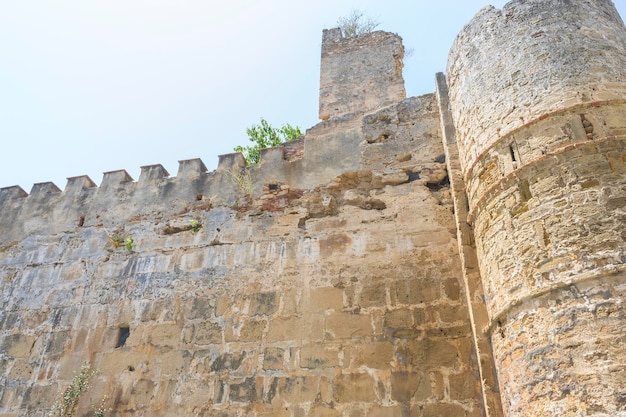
(542, 154)
(459, 254)
(314, 304)
(360, 74)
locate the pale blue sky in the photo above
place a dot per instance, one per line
(99, 85)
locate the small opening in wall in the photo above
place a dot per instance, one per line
(512, 153)
(122, 335)
(413, 176)
(199, 197)
(273, 187)
(131, 368)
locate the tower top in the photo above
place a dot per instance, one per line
(359, 74)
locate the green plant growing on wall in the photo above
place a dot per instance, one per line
(66, 405)
(356, 24)
(195, 225)
(242, 180)
(264, 136)
(117, 240)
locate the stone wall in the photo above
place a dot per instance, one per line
(542, 151)
(334, 300)
(460, 253)
(512, 66)
(360, 74)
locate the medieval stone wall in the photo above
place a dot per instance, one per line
(330, 285)
(460, 253)
(513, 66)
(355, 80)
(542, 149)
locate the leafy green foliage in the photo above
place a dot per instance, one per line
(356, 24)
(195, 225)
(117, 240)
(266, 136)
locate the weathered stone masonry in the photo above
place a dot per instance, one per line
(542, 156)
(459, 253)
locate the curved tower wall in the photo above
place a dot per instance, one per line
(538, 97)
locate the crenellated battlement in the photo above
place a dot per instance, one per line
(459, 253)
(325, 152)
(306, 163)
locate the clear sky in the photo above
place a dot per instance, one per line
(99, 85)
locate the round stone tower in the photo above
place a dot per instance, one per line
(538, 97)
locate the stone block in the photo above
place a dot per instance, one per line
(228, 362)
(452, 289)
(322, 410)
(223, 304)
(196, 393)
(318, 357)
(373, 295)
(40, 396)
(401, 318)
(438, 385)
(151, 311)
(290, 303)
(420, 317)
(20, 370)
(438, 409)
(119, 361)
(354, 387)
(407, 386)
(322, 299)
(206, 333)
(173, 362)
(198, 308)
(8, 319)
(269, 411)
(163, 335)
(450, 332)
(298, 389)
(273, 358)
(463, 386)
(334, 244)
(18, 345)
(143, 393)
(72, 271)
(193, 260)
(295, 329)
(416, 291)
(380, 411)
(452, 313)
(252, 330)
(348, 326)
(245, 391)
(57, 341)
(7, 396)
(432, 353)
(375, 355)
(263, 303)
(325, 390)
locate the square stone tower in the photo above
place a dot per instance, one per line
(359, 74)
